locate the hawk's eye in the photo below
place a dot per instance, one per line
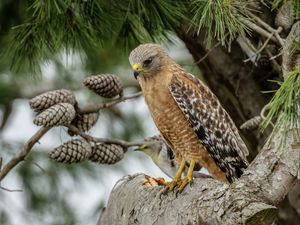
(147, 62)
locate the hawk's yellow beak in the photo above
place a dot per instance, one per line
(136, 70)
(136, 67)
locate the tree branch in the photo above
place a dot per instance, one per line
(263, 46)
(269, 28)
(96, 107)
(291, 55)
(259, 30)
(39, 134)
(124, 144)
(10, 190)
(250, 200)
(24, 152)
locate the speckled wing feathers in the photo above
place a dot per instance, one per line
(211, 123)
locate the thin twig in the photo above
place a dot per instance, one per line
(276, 66)
(37, 136)
(97, 107)
(259, 30)
(247, 47)
(261, 49)
(10, 190)
(269, 28)
(207, 53)
(275, 56)
(263, 111)
(123, 143)
(24, 152)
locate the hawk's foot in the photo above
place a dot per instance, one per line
(189, 177)
(174, 183)
(177, 179)
(185, 182)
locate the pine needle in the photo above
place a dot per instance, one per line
(220, 18)
(284, 107)
(297, 9)
(147, 21)
(55, 25)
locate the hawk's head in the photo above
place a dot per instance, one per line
(147, 59)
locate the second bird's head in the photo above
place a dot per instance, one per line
(147, 60)
(152, 149)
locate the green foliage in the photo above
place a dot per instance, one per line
(8, 94)
(84, 25)
(221, 18)
(285, 106)
(144, 21)
(297, 9)
(99, 31)
(55, 25)
(296, 45)
(276, 4)
(50, 26)
(3, 218)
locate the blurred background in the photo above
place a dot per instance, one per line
(54, 44)
(41, 191)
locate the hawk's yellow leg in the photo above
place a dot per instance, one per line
(177, 179)
(189, 176)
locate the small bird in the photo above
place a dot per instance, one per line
(189, 117)
(162, 155)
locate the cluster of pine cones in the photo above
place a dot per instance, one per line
(59, 108)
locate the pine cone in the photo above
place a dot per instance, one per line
(50, 98)
(84, 122)
(252, 124)
(106, 153)
(106, 85)
(73, 151)
(59, 114)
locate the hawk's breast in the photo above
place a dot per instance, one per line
(173, 125)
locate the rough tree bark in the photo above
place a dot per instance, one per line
(250, 200)
(239, 87)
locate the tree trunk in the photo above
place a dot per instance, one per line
(239, 87)
(251, 199)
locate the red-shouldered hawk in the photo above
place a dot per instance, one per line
(189, 117)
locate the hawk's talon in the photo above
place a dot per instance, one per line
(174, 183)
(189, 177)
(177, 180)
(184, 183)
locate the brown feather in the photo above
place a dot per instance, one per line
(188, 115)
(173, 125)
